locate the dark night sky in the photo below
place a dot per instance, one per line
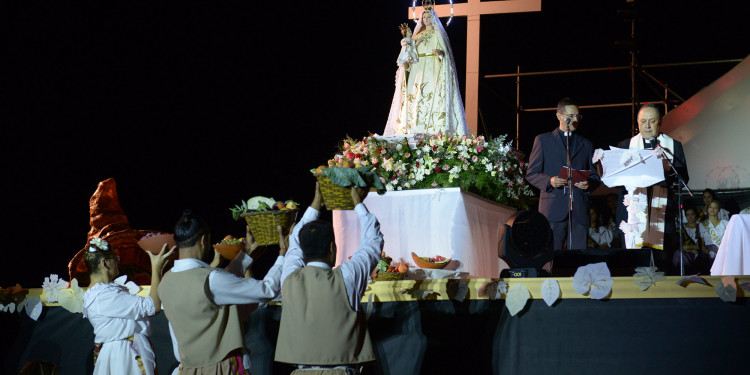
(202, 104)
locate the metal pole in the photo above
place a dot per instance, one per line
(582, 107)
(518, 107)
(633, 63)
(611, 68)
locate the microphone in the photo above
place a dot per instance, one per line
(651, 143)
(567, 124)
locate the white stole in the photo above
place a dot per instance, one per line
(665, 141)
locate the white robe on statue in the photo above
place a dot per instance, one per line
(117, 316)
(427, 99)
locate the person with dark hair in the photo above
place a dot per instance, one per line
(661, 202)
(548, 156)
(120, 319)
(200, 302)
(599, 235)
(715, 228)
(323, 329)
(709, 195)
(695, 255)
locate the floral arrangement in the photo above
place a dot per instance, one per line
(491, 168)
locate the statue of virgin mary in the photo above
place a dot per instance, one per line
(427, 99)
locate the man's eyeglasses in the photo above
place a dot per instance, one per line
(573, 117)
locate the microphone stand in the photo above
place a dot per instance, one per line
(680, 183)
(570, 186)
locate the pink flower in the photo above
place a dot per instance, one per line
(479, 149)
(382, 151)
(407, 155)
(347, 145)
(434, 184)
(350, 155)
(474, 158)
(510, 184)
(521, 164)
(436, 160)
(446, 167)
(382, 179)
(374, 160)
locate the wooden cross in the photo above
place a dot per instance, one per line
(473, 9)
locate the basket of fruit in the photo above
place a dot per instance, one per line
(263, 215)
(154, 241)
(336, 183)
(229, 247)
(436, 262)
(384, 271)
(335, 197)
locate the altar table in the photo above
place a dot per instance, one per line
(447, 222)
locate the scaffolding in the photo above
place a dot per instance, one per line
(635, 71)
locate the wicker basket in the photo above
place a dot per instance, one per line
(263, 224)
(335, 197)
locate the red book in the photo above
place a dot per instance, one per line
(578, 175)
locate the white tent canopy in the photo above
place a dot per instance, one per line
(714, 128)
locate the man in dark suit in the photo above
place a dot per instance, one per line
(661, 216)
(548, 156)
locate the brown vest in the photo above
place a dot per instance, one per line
(318, 326)
(205, 333)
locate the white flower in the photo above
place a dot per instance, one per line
(633, 228)
(399, 147)
(598, 155)
(53, 285)
(98, 242)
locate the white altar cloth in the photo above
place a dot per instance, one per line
(733, 257)
(429, 222)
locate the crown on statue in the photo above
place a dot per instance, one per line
(428, 4)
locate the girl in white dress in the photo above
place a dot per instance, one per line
(599, 236)
(120, 319)
(695, 256)
(715, 228)
(708, 196)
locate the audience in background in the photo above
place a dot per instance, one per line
(599, 235)
(715, 228)
(695, 258)
(708, 196)
(608, 217)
